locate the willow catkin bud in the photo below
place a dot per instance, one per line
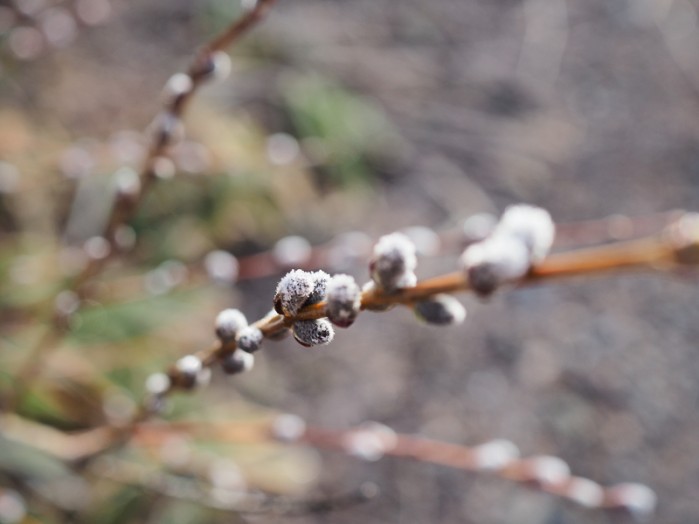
(344, 300)
(585, 492)
(393, 262)
(494, 261)
(320, 284)
(249, 339)
(158, 384)
(637, 499)
(228, 323)
(293, 290)
(313, 332)
(442, 310)
(189, 369)
(237, 362)
(532, 225)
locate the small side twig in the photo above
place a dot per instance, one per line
(207, 64)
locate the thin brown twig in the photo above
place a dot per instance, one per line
(370, 441)
(674, 247)
(125, 206)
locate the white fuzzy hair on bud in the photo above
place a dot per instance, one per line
(585, 492)
(441, 310)
(393, 263)
(344, 300)
(157, 384)
(548, 470)
(495, 454)
(313, 332)
(190, 370)
(177, 85)
(494, 261)
(237, 362)
(288, 428)
(228, 323)
(293, 290)
(638, 499)
(370, 442)
(320, 284)
(533, 225)
(249, 338)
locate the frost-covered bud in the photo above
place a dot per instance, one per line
(178, 85)
(344, 300)
(532, 225)
(494, 261)
(237, 362)
(157, 384)
(638, 499)
(393, 262)
(313, 332)
(320, 284)
(188, 369)
(441, 310)
(495, 454)
(548, 470)
(370, 442)
(288, 428)
(293, 290)
(228, 323)
(249, 339)
(585, 492)
(214, 66)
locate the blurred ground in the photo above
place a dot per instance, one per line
(586, 108)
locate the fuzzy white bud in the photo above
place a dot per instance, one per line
(495, 454)
(441, 310)
(288, 428)
(189, 368)
(344, 300)
(313, 332)
(494, 261)
(238, 362)
(533, 225)
(249, 339)
(228, 323)
(157, 384)
(293, 290)
(177, 85)
(638, 499)
(548, 470)
(320, 284)
(585, 492)
(393, 263)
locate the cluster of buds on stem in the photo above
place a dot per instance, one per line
(522, 238)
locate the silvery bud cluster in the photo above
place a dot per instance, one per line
(522, 237)
(393, 263)
(296, 290)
